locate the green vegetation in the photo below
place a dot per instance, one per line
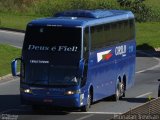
(155, 7)
(148, 33)
(16, 13)
(14, 21)
(48, 7)
(7, 54)
(153, 3)
(141, 9)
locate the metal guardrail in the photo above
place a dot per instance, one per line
(147, 111)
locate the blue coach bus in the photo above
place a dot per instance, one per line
(76, 58)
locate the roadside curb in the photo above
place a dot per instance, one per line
(9, 76)
(12, 30)
(157, 49)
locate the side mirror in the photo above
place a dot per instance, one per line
(14, 66)
(81, 67)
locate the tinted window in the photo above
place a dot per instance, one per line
(53, 36)
(56, 43)
(112, 33)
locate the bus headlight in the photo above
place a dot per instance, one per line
(29, 91)
(71, 92)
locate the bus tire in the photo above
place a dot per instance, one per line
(122, 90)
(86, 107)
(159, 91)
(116, 96)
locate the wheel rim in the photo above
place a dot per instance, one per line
(117, 93)
(89, 101)
(121, 89)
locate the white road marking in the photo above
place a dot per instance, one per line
(16, 46)
(107, 113)
(140, 96)
(10, 32)
(151, 68)
(84, 117)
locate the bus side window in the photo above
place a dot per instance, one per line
(107, 35)
(86, 44)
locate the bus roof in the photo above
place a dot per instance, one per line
(82, 18)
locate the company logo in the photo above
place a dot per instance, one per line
(105, 55)
(121, 50)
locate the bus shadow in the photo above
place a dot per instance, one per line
(106, 99)
(9, 101)
(49, 110)
(10, 104)
(147, 49)
(137, 100)
(24, 111)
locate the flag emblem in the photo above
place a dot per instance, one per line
(105, 55)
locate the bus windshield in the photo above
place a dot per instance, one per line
(51, 55)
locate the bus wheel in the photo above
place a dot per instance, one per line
(88, 105)
(122, 89)
(116, 96)
(159, 91)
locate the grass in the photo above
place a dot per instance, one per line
(148, 33)
(7, 54)
(15, 21)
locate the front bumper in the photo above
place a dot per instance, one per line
(61, 101)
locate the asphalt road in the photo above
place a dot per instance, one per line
(146, 84)
(11, 38)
